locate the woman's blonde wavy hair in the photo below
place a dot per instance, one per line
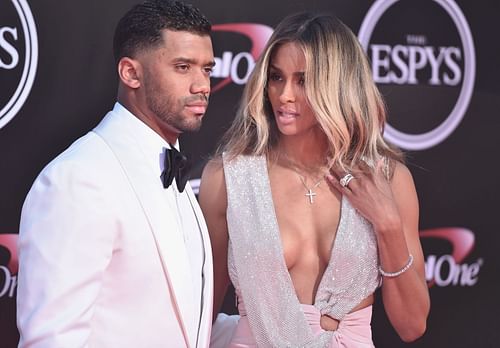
(339, 88)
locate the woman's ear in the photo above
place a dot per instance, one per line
(130, 71)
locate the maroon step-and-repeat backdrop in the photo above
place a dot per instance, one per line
(436, 62)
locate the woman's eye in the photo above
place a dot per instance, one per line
(274, 77)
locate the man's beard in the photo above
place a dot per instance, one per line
(171, 111)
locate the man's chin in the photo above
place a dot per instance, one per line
(192, 126)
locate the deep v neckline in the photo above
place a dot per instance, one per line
(274, 217)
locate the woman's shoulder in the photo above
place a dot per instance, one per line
(214, 167)
(216, 164)
(212, 194)
(402, 179)
(400, 169)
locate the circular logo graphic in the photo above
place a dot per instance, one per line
(425, 76)
(18, 57)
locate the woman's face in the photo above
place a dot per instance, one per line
(286, 91)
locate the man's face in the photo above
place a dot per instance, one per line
(176, 81)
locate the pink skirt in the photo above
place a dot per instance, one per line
(354, 331)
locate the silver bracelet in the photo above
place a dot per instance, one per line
(401, 271)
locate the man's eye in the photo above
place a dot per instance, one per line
(182, 67)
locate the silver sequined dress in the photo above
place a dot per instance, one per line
(257, 266)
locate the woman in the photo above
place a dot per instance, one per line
(308, 208)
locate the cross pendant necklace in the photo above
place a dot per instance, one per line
(310, 193)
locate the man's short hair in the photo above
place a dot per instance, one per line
(140, 28)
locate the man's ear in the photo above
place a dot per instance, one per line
(130, 72)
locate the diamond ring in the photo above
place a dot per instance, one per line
(346, 179)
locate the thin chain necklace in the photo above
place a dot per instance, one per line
(310, 193)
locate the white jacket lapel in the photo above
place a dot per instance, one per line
(164, 226)
(206, 314)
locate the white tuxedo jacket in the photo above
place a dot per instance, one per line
(102, 260)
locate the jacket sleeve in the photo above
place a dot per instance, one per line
(65, 244)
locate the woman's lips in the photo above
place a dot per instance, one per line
(287, 116)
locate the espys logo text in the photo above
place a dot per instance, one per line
(8, 274)
(18, 57)
(236, 67)
(425, 68)
(450, 269)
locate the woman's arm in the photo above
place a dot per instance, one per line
(406, 296)
(392, 208)
(213, 202)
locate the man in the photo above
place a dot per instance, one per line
(113, 252)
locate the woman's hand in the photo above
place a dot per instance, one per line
(370, 193)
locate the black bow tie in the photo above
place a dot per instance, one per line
(176, 166)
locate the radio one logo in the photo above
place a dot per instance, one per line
(233, 66)
(18, 56)
(423, 61)
(8, 272)
(450, 269)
